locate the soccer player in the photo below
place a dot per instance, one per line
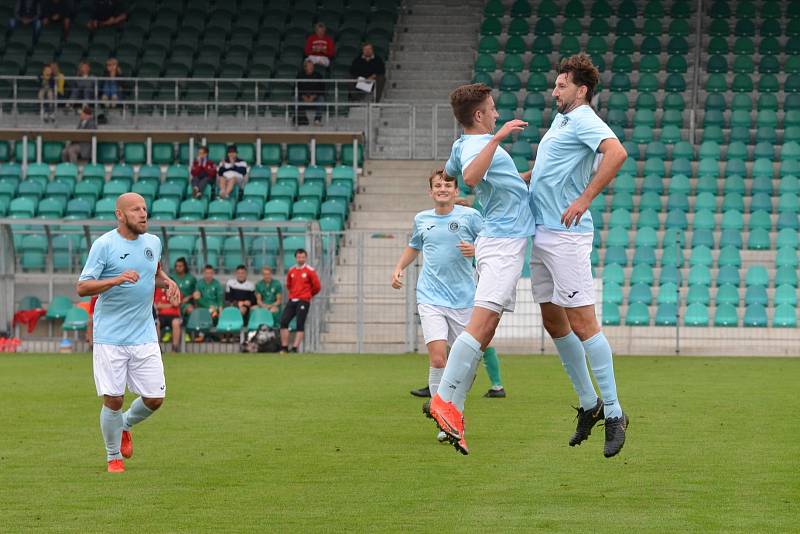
(446, 284)
(123, 268)
(562, 189)
(302, 283)
(269, 293)
(499, 248)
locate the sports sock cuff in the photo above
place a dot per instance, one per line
(473, 343)
(597, 338)
(566, 339)
(110, 411)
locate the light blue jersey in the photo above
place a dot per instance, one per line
(563, 167)
(123, 315)
(447, 277)
(502, 192)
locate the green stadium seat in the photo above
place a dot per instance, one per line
(667, 314)
(786, 257)
(611, 315)
(640, 292)
(612, 294)
(758, 239)
(648, 218)
(787, 237)
(76, 319)
(698, 293)
(640, 274)
(755, 315)
(696, 315)
(644, 256)
(192, 209)
(785, 316)
(729, 255)
(638, 315)
(726, 316)
(613, 274)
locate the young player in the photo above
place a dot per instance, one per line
(499, 248)
(123, 268)
(561, 272)
(446, 284)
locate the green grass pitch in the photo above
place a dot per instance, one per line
(311, 443)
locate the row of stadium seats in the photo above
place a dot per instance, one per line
(135, 153)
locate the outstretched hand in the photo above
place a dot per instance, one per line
(514, 125)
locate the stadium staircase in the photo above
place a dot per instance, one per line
(389, 194)
(433, 48)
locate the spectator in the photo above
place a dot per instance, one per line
(59, 80)
(107, 13)
(186, 283)
(269, 293)
(169, 317)
(203, 172)
(370, 67)
(310, 92)
(302, 283)
(27, 12)
(47, 92)
(319, 47)
(240, 292)
(83, 149)
(57, 12)
(231, 171)
(208, 295)
(111, 91)
(83, 87)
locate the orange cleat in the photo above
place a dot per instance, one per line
(461, 446)
(447, 417)
(116, 466)
(126, 446)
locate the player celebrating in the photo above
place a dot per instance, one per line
(499, 248)
(123, 268)
(561, 272)
(446, 285)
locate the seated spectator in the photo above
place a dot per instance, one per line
(208, 295)
(203, 172)
(240, 292)
(169, 319)
(83, 87)
(269, 294)
(59, 80)
(107, 13)
(319, 47)
(186, 283)
(110, 90)
(80, 150)
(370, 67)
(27, 12)
(47, 92)
(310, 92)
(231, 171)
(57, 12)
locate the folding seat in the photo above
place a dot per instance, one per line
(785, 316)
(761, 201)
(640, 293)
(667, 293)
(673, 237)
(716, 83)
(537, 82)
(768, 65)
(786, 257)
(676, 218)
(611, 316)
(700, 275)
(727, 294)
(730, 238)
(670, 134)
(701, 256)
(785, 294)
(789, 184)
(518, 26)
(638, 315)
(616, 255)
(613, 274)
(620, 218)
(733, 201)
(698, 294)
(760, 219)
(647, 219)
(672, 255)
(521, 8)
(488, 45)
(703, 237)
(642, 273)
(542, 45)
(617, 237)
(678, 201)
(729, 255)
(755, 315)
(743, 65)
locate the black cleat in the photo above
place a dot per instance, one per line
(615, 435)
(586, 421)
(495, 393)
(421, 392)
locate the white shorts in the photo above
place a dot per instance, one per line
(233, 175)
(561, 268)
(442, 323)
(500, 262)
(138, 366)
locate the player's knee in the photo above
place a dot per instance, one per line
(556, 328)
(153, 403)
(113, 403)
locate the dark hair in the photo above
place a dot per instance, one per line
(202, 147)
(232, 148)
(183, 261)
(583, 72)
(86, 110)
(441, 174)
(300, 251)
(208, 267)
(241, 267)
(466, 99)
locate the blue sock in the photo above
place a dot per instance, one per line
(599, 352)
(137, 412)
(464, 355)
(573, 358)
(460, 395)
(111, 427)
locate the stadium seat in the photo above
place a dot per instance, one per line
(230, 320)
(200, 321)
(638, 315)
(611, 315)
(726, 316)
(696, 315)
(76, 319)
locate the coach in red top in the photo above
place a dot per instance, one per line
(302, 283)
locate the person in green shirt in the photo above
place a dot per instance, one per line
(269, 293)
(208, 294)
(186, 283)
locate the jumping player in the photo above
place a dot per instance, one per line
(124, 268)
(499, 248)
(562, 189)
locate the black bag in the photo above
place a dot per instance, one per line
(265, 339)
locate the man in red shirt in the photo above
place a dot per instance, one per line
(302, 283)
(319, 47)
(204, 172)
(169, 316)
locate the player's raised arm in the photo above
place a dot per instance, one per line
(409, 254)
(476, 170)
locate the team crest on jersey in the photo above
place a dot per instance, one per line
(564, 122)
(453, 227)
(148, 253)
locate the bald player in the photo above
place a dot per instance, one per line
(123, 269)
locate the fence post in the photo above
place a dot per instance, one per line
(360, 294)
